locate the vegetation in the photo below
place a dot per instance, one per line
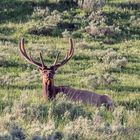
(106, 61)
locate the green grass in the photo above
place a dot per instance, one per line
(21, 103)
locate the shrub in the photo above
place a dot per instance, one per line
(48, 25)
(77, 34)
(91, 5)
(99, 28)
(110, 59)
(82, 45)
(40, 13)
(66, 34)
(68, 1)
(64, 110)
(81, 128)
(17, 133)
(75, 121)
(95, 81)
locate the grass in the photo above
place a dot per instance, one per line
(24, 114)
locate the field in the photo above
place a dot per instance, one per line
(106, 61)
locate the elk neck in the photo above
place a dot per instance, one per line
(49, 91)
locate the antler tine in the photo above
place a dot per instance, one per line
(56, 59)
(22, 49)
(24, 54)
(71, 49)
(68, 56)
(41, 59)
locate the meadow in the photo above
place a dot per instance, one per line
(106, 60)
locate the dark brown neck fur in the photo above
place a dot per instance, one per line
(49, 91)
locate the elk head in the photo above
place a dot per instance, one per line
(49, 90)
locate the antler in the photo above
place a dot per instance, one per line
(29, 58)
(41, 65)
(68, 56)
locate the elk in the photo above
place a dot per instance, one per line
(50, 90)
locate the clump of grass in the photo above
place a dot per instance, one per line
(66, 34)
(82, 45)
(28, 77)
(64, 110)
(6, 80)
(67, 1)
(110, 59)
(102, 80)
(135, 21)
(40, 13)
(17, 133)
(98, 28)
(91, 5)
(80, 128)
(62, 119)
(48, 26)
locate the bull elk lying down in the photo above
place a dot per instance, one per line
(50, 90)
